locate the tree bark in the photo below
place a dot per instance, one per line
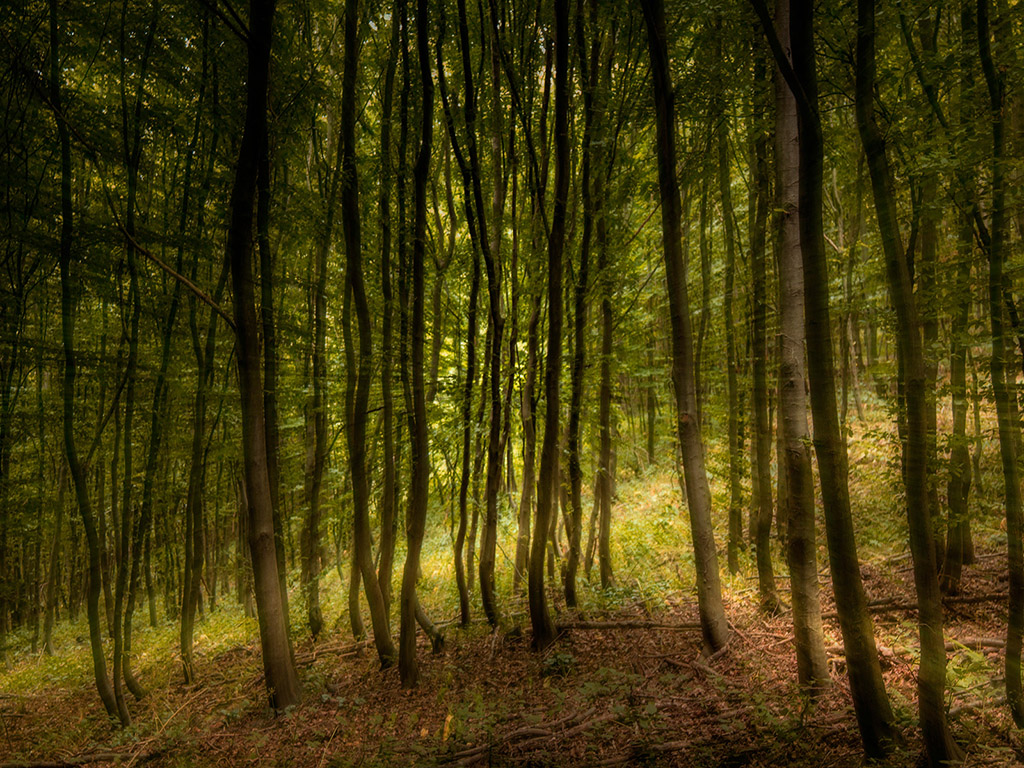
(420, 486)
(278, 667)
(547, 499)
(941, 749)
(796, 479)
(67, 306)
(350, 215)
(762, 427)
(1005, 393)
(709, 590)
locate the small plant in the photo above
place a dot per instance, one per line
(558, 664)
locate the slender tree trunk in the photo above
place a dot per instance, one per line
(762, 426)
(420, 485)
(547, 499)
(959, 485)
(709, 590)
(350, 214)
(68, 308)
(588, 77)
(278, 667)
(941, 748)
(388, 520)
(731, 361)
(874, 715)
(1009, 431)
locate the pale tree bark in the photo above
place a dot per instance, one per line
(871, 704)
(796, 478)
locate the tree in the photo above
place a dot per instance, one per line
(698, 495)
(278, 666)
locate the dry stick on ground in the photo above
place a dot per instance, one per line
(540, 731)
(891, 605)
(691, 625)
(76, 760)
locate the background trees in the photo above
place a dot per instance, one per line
(299, 159)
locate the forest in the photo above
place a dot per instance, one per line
(511, 382)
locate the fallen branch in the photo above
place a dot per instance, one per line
(886, 604)
(687, 625)
(526, 735)
(976, 644)
(94, 757)
(979, 704)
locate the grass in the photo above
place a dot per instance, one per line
(594, 696)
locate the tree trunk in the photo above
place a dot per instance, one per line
(588, 78)
(709, 590)
(278, 667)
(419, 488)
(1003, 390)
(874, 715)
(547, 499)
(762, 438)
(350, 215)
(941, 748)
(68, 308)
(796, 479)
(731, 362)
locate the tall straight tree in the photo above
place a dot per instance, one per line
(1005, 393)
(796, 478)
(278, 666)
(698, 493)
(589, 68)
(931, 680)
(350, 217)
(420, 486)
(762, 490)
(874, 714)
(547, 498)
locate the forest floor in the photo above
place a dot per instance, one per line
(626, 685)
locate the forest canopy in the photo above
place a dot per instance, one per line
(409, 330)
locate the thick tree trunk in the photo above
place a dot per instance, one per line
(796, 479)
(709, 589)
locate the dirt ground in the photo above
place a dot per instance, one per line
(629, 688)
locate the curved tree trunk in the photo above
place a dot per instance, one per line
(67, 307)
(547, 498)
